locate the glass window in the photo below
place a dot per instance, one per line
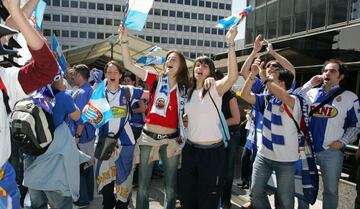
(172, 13)
(157, 12)
(116, 22)
(187, 2)
(108, 21)
(260, 20)
(56, 32)
(186, 41)
(193, 29)
(100, 21)
(214, 18)
(65, 33)
(260, 2)
(117, 8)
(65, 18)
(157, 25)
(56, 3)
(337, 11)
(74, 19)
(201, 3)
(149, 25)
(74, 34)
(186, 28)
(208, 4)
(47, 32)
(221, 32)
(300, 11)
(171, 40)
(165, 13)
(187, 15)
(173, 1)
(355, 10)
(83, 4)
(83, 34)
(164, 40)
(107, 35)
(65, 3)
(149, 38)
(317, 13)
(179, 28)
(64, 47)
(91, 35)
(179, 41)
(180, 1)
(228, 7)
(214, 31)
(200, 29)
(100, 6)
(213, 43)
(186, 54)
(109, 7)
(208, 17)
(192, 55)
(171, 26)
(194, 2)
(141, 36)
(179, 14)
(56, 18)
(100, 35)
(272, 19)
(83, 20)
(156, 39)
(220, 44)
(74, 4)
(207, 30)
(92, 20)
(193, 16)
(285, 17)
(47, 2)
(201, 16)
(200, 42)
(221, 6)
(193, 42)
(165, 1)
(164, 26)
(92, 5)
(47, 17)
(215, 5)
(207, 43)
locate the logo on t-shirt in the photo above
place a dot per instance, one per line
(118, 111)
(326, 111)
(160, 103)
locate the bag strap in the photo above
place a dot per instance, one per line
(338, 92)
(6, 101)
(222, 124)
(292, 117)
(129, 110)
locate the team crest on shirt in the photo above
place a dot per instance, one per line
(326, 111)
(160, 103)
(338, 99)
(281, 109)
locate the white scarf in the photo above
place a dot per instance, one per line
(162, 96)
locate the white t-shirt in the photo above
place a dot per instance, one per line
(203, 119)
(15, 92)
(279, 134)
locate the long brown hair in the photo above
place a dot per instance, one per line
(182, 75)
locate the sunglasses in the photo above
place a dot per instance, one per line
(273, 65)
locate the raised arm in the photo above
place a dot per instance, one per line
(282, 60)
(27, 10)
(128, 64)
(245, 69)
(246, 92)
(228, 81)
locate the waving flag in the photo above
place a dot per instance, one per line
(97, 111)
(155, 60)
(234, 19)
(137, 13)
(56, 48)
(38, 14)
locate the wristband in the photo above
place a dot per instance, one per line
(124, 42)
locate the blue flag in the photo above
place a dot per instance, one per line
(38, 14)
(56, 48)
(137, 13)
(234, 19)
(156, 60)
(97, 111)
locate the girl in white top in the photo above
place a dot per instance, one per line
(203, 156)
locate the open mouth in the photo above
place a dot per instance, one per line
(112, 79)
(326, 79)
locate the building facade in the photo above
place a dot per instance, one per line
(188, 25)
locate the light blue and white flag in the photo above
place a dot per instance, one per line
(156, 60)
(38, 14)
(56, 48)
(137, 13)
(97, 111)
(234, 19)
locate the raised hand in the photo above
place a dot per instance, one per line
(123, 34)
(269, 48)
(255, 69)
(231, 34)
(209, 82)
(12, 5)
(258, 43)
(316, 80)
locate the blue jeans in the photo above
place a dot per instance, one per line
(330, 162)
(285, 177)
(145, 171)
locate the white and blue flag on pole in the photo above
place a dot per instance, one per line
(97, 111)
(38, 14)
(56, 48)
(234, 19)
(146, 60)
(137, 13)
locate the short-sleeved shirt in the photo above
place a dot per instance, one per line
(279, 133)
(64, 105)
(171, 119)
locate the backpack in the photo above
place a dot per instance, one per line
(31, 127)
